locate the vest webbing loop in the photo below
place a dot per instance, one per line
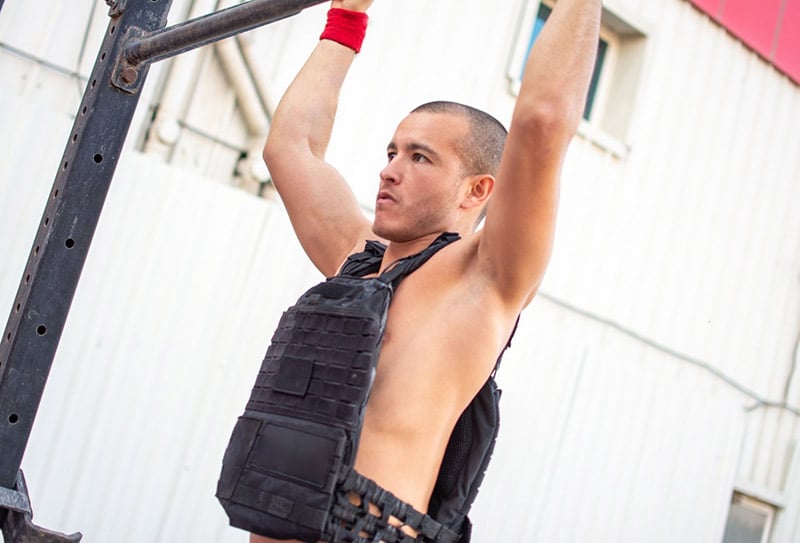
(378, 515)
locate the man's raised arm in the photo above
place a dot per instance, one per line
(323, 210)
(520, 222)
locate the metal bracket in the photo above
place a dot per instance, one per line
(19, 527)
(15, 500)
(139, 47)
(115, 7)
(127, 76)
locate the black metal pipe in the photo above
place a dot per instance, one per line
(210, 28)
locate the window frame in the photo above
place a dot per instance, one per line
(756, 505)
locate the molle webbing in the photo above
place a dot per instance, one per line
(318, 368)
(356, 523)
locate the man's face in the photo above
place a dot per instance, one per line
(421, 186)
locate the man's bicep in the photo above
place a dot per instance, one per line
(323, 210)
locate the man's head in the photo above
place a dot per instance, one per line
(482, 148)
(442, 162)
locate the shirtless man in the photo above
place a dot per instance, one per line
(449, 320)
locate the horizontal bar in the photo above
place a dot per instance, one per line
(210, 28)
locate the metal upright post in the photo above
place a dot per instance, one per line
(59, 250)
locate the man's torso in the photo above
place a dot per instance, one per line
(445, 330)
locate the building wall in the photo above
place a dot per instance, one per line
(639, 391)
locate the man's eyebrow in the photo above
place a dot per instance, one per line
(413, 146)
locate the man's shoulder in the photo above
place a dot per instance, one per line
(456, 268)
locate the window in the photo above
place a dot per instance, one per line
(612, 91)
(749, 520)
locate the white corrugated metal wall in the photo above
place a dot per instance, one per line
(674, 283)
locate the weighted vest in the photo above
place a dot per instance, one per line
(287, 472)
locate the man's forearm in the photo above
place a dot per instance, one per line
(559, 68)
(304, 117)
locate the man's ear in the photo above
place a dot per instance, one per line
(480, 188)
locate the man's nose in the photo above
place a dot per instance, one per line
(389, 173)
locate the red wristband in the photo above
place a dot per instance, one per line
(346, 27)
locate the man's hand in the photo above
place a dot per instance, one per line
(352, 5)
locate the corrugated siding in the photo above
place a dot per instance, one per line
(618, 442)
(673, 268)
(770, 27)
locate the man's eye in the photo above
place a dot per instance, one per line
(418, 158)
(390, 156)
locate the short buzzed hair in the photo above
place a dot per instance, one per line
(483, 148)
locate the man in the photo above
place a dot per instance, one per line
(450, 320)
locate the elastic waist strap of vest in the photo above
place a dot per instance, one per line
(358, 523)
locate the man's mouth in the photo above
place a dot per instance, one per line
(385, 197)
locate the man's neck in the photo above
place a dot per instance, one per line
(395, 250)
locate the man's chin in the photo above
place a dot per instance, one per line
(389, 234)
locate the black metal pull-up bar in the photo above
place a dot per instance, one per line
(188, 35)
(135, 38)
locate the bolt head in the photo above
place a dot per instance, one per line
(129, 75)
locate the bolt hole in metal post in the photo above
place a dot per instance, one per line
(13, 418)
(98, 158)
(69, 243)
(41, 329)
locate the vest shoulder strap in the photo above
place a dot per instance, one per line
(403, 267)
(369, 260)
(366, 262)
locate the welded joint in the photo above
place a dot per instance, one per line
(128, 75)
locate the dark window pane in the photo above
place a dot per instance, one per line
(602, 47)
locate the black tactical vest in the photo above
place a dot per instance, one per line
(294, 447)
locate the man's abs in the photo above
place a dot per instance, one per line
(437, 353)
